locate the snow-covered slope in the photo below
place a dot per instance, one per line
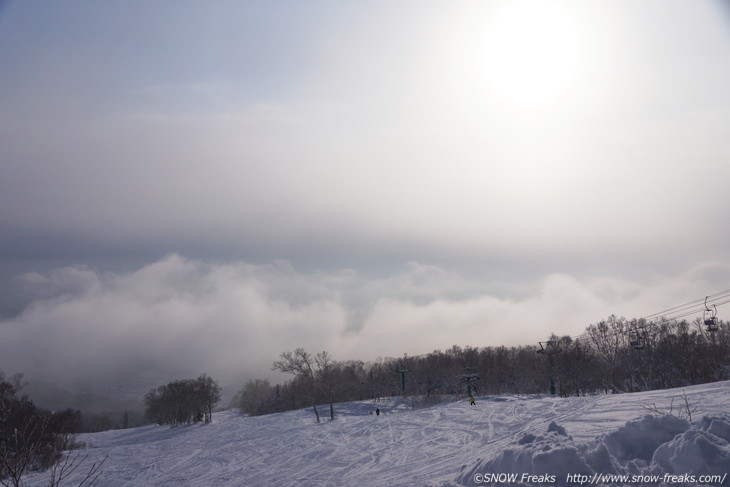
(448, 444)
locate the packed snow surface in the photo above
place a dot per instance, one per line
(628, 439)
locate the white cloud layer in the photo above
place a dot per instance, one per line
(180, 316)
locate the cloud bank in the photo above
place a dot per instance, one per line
(179, 316)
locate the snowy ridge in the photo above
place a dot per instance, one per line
(663, 450)
(450, 444)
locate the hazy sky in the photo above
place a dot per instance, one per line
(198, 186)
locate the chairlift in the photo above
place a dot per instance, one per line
(636, 343)
(469, 377)
(710, 317)
(636, 340)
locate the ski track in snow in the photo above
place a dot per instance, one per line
(423, 447)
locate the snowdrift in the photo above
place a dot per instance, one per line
(664, 450)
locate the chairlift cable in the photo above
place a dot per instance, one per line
(672, 314)
(720, 298)
(691, 304)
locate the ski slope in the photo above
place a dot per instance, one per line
(450, 444)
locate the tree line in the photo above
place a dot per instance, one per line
(612, 356)
(183, 401)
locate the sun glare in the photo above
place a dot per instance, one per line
(530, 54)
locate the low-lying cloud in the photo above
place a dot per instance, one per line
(179, 316)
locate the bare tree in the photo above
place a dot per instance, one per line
(208, 394)
(62, 470)
(326, 375)
(19, 451)
(608, 340)
(27, 440)
(301, 365)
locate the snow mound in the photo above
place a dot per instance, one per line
(639, 439)
(643, 447)
(701, 451)
(552, 453)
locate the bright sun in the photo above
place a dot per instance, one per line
(531, 54)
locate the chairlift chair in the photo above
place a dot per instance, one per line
(636, 344)
(709, 316)
(636, 341)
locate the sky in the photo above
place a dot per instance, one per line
(197, 187)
